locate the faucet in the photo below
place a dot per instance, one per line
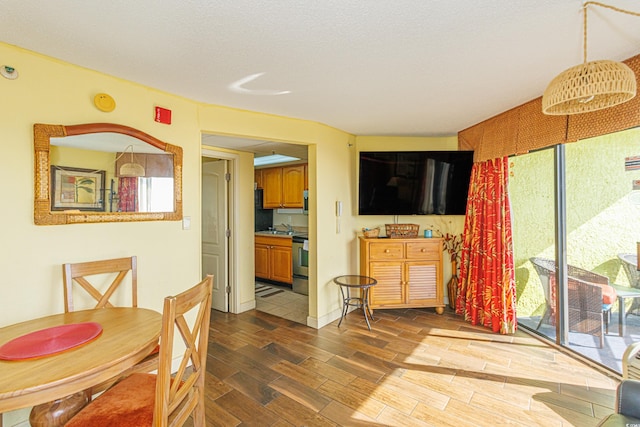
(289, 228)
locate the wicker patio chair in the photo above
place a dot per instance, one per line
(629, 264)
(546, 270)
(586, 313)
(590, 298)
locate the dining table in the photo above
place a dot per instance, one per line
(127, 335)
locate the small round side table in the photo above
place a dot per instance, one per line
(362, 283)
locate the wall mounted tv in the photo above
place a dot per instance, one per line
(414, 182)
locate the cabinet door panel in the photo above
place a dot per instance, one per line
(293, 186)
(272, 184)
(262, 261)
(281, 264)
(423, 282)
(257, 177)
(389, 290)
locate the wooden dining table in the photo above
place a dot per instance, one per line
(128, 335)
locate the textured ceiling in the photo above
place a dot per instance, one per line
(368, 67)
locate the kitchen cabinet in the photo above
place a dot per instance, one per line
(283, 187)
(408, 271)
(257, 178)
(273, 258)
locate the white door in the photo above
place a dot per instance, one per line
(214, 227)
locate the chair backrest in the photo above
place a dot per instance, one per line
(586, 275)
(630, 266)
(178, 398)
(106, 269)
(546, 270)
(585, 307)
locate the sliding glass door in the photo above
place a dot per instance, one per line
(531, 190)
(589, 193)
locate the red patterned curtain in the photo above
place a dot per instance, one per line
(128, 194)
(487, 287)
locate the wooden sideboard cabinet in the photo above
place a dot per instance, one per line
(408, 271)
(273, 258)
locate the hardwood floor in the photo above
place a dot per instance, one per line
(415, 368)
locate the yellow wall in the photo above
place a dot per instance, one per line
(51, 91)
(55, 92)
(443, 223)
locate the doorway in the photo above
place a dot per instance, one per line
(215, 226)
(238, 284)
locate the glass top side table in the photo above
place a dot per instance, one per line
(353, 282)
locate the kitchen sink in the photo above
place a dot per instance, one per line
(277, 232)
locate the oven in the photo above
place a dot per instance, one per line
(300, 257)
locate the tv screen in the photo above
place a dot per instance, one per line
(414, 182)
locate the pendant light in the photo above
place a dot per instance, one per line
(590, 86)
(132, 169)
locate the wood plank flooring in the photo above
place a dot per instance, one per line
(414, 368)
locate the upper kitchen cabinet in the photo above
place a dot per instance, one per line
(283, 187)
(258, 178)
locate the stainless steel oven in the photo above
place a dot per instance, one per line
(300, 258)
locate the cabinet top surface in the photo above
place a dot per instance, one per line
(400, 239)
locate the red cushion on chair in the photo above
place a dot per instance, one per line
(127, 404)
(609, 294)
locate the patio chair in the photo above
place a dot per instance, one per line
(546, 270)
(590, 298)
(629, 264)
(587, 314)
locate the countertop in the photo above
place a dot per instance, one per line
(282, 234)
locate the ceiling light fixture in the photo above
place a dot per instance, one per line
(590, 86)
(274, 158)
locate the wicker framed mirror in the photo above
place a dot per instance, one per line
(103, 172)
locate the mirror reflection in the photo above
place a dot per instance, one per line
(110, 172)
(104, 172)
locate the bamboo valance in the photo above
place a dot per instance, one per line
(526, 128)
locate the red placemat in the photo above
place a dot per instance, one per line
(46, 342)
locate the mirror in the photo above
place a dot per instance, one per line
(102, 172)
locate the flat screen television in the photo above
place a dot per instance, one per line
(414, 182)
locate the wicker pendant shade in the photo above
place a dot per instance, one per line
(590, 86)
(132, 169)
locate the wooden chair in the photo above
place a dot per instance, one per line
(55, 413)
(160, 400)
(79, 272)
(111, 269)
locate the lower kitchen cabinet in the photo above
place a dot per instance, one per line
(273, 259)
(408, 271)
